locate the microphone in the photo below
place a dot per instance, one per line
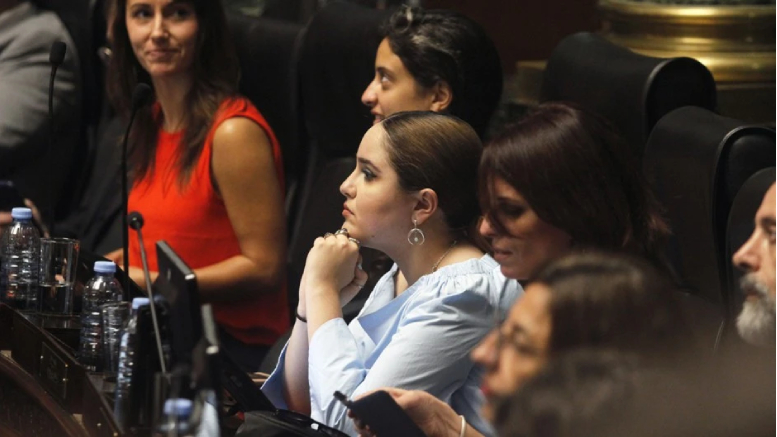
(57, 53)
(56, 57)
(141, 95)
(136, 222)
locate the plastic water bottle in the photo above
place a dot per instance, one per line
(101, 289)
(20, 247)
(209, 422)
(128, 346)
(175, 420)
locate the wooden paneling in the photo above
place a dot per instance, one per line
(28, 410)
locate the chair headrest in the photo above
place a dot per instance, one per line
(268, 52)
(633, 91)
(698, 161)
(336, 64)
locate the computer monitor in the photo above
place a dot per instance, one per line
(177, 285)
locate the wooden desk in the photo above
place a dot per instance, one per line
(27, 408)
(42, 386)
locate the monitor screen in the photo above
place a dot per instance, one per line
(177, 284)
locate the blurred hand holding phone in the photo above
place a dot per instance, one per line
(381, 414)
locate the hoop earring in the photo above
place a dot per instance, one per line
(416, 236)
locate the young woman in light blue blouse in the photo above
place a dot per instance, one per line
(412, 196)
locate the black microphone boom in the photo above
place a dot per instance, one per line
(56, 57)
(140, 97)
(136, 221)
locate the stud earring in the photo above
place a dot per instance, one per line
(415, 236)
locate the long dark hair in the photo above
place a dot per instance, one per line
(441, 152)
(440, 45)
(216, 75)
(578, 175)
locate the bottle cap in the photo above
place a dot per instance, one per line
(178, 406)
(139, 302)
(21, 213)
(104, 267)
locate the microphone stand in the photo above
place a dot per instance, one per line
(136, 221)
(56, 57)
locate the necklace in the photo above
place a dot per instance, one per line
(434, 268)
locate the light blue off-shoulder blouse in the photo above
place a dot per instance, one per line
(420, 340)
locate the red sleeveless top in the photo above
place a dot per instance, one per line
(195, 224)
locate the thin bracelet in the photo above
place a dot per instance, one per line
(300, 318)
(463, 426)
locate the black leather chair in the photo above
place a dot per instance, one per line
(299, 11)
(336, 64)
(268, 52)
(633, 91)
(698, 162)
(740, 226)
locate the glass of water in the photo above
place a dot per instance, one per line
(58, 260)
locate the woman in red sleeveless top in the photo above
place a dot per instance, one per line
(206, 167)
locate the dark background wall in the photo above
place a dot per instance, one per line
(525, 29)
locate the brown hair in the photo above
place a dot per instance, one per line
(578, 175)
(614, 301)
(216, 75)
(440, 152)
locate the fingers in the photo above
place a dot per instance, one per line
(367, 393)
(360, 276)
(359, 266)
(361, 428)
(116, 256)
(37, 217)
(5, 218)
(395, 393)
(341, 237)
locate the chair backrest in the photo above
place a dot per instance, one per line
(268, 51)
(76, 15)
(73, 129)
(633, 91)
(336, 63)
(740, 226)
(698, 161)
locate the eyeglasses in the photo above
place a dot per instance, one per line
(501, 342)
